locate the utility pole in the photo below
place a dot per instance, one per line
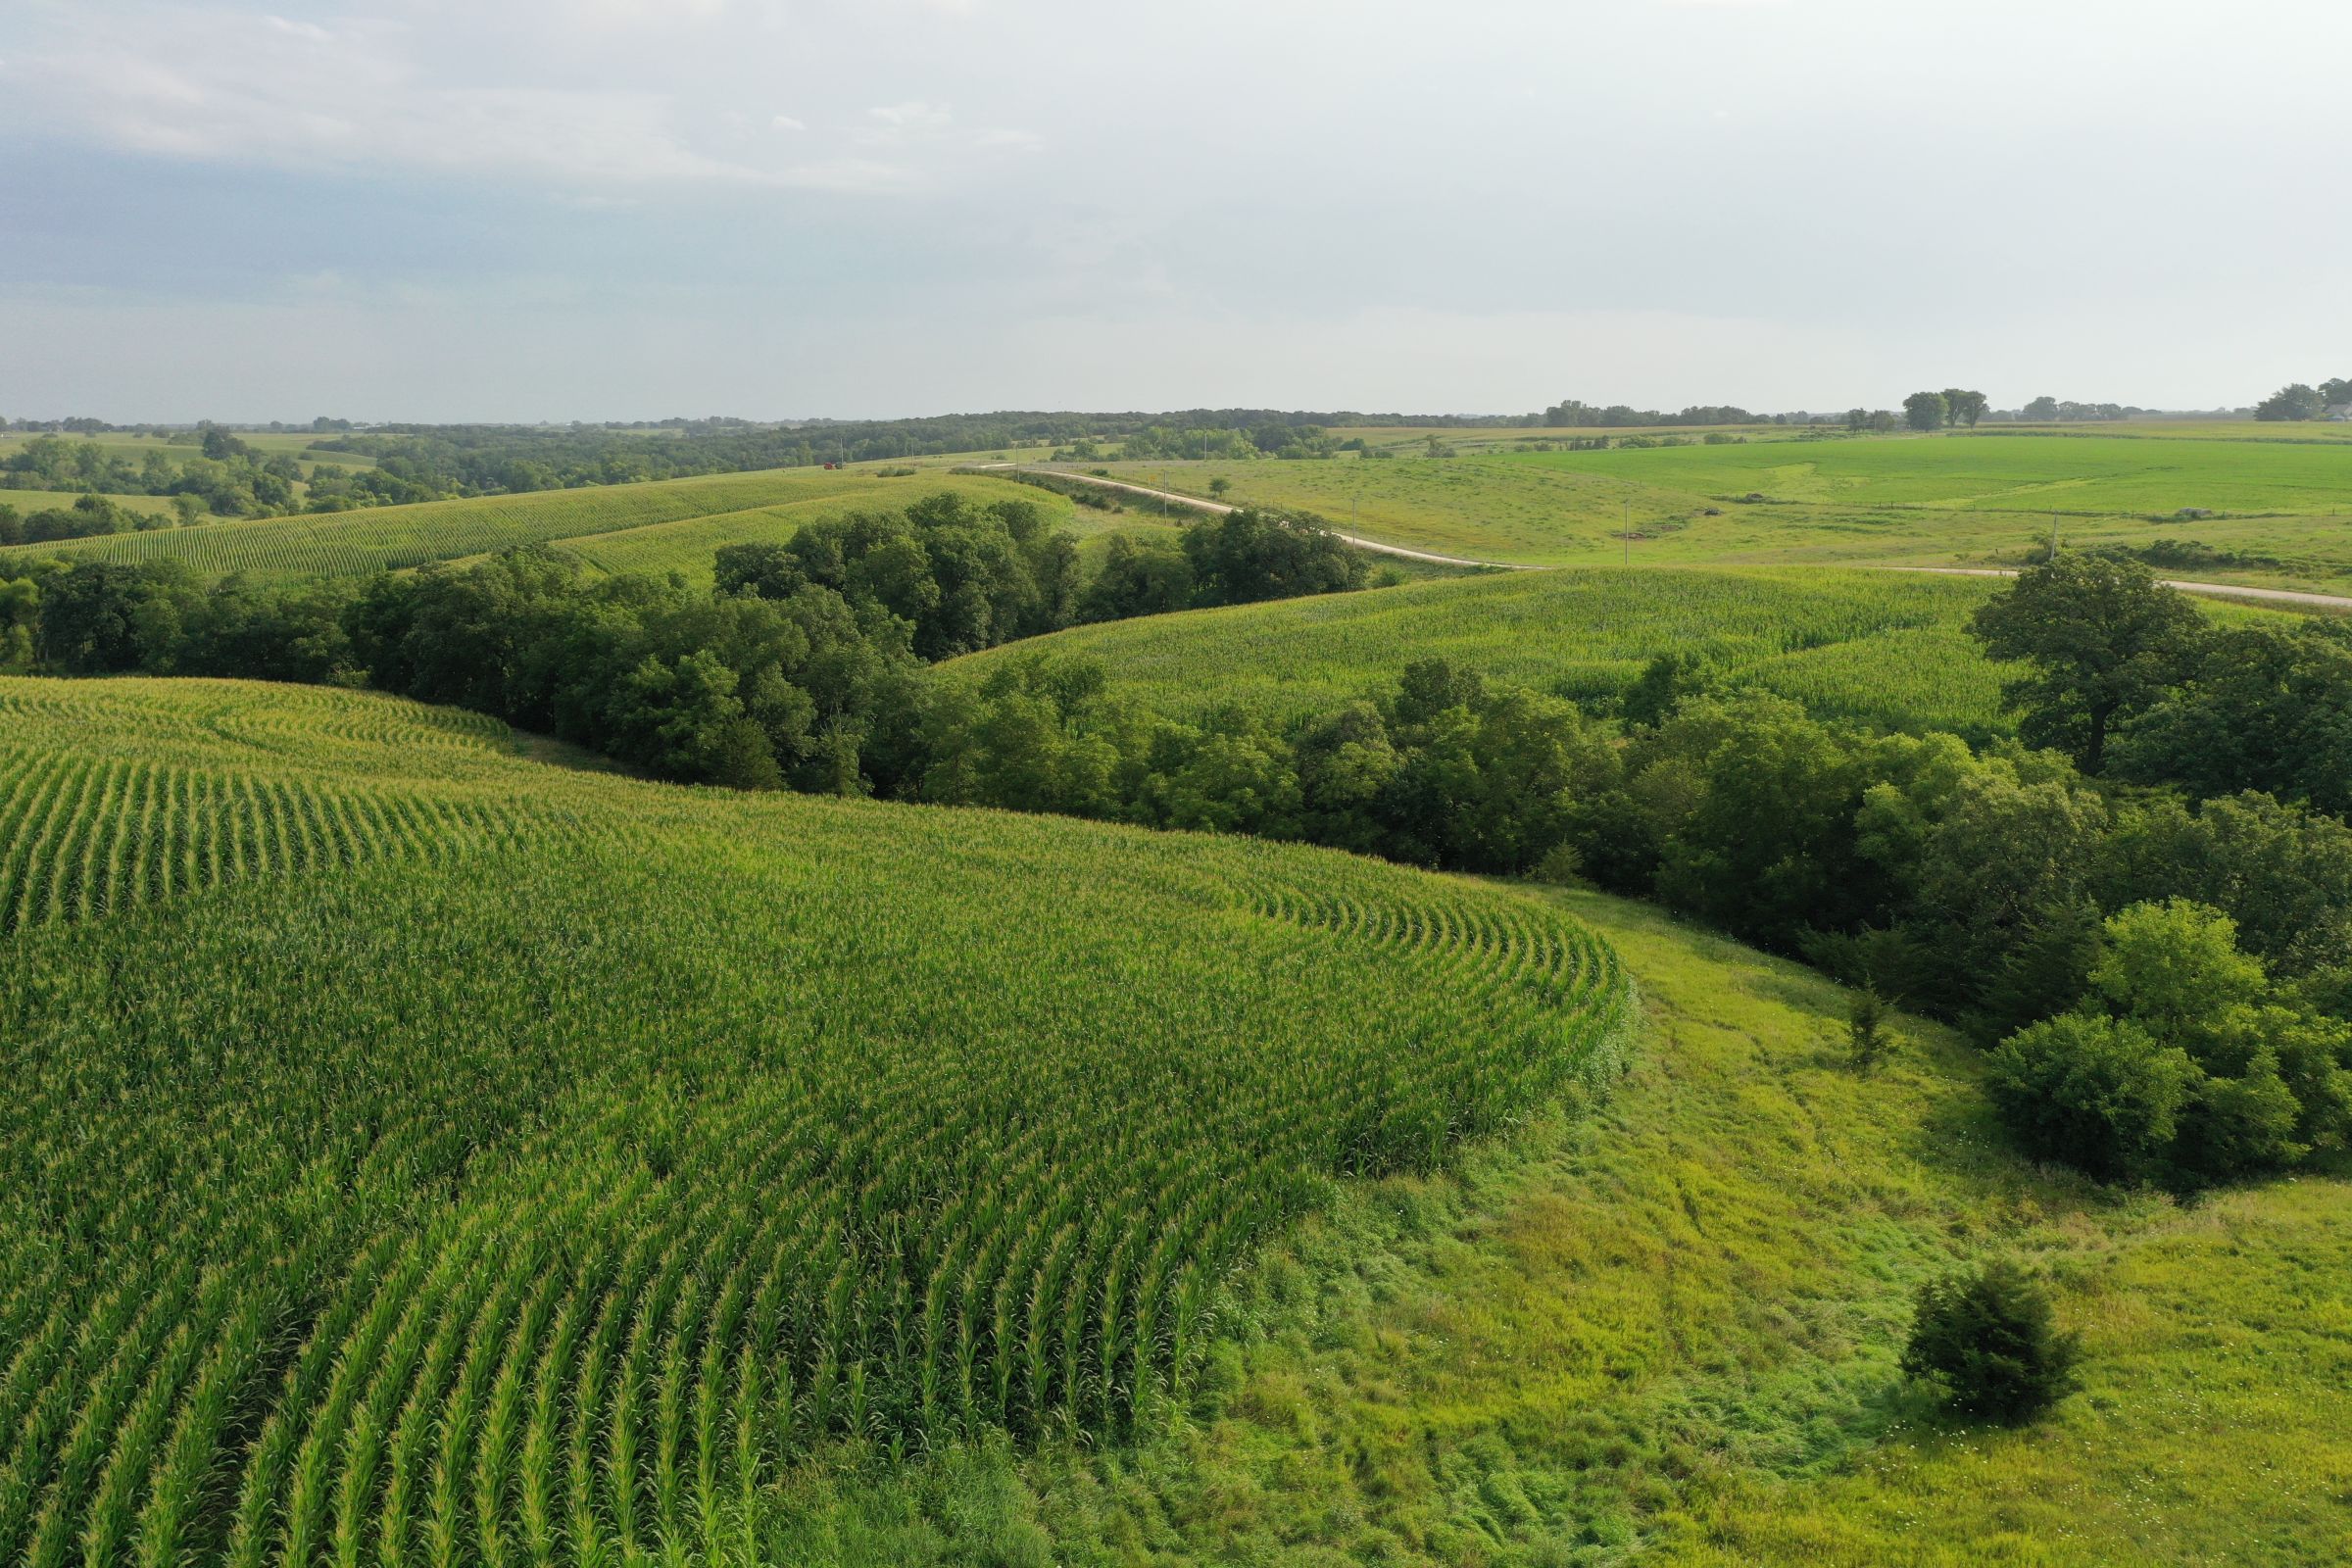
(2053, 535)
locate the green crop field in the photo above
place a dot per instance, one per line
(540, 1193)
(125, 793)
(1878, 646)
(420, 1153)
(2035, 474)
(2282, 506)
(392, 538)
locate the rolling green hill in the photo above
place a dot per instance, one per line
(415, 1152)
(687, 546)
(377, 539)
(1665, 1332)
(2281, 507)
(1871, 646)
(422, 1152)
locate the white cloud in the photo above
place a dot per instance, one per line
(387, 92)
(916, 118)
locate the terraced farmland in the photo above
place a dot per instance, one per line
(539, 1197)
(361, 543)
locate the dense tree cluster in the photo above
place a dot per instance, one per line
(223, 475)
(1930, 411)
(2046, 409)
(1230, 445)
(89, 515)
(2299, 400)
(1571, 413)
(2124, 676)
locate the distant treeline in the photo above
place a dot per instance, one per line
(220, 474)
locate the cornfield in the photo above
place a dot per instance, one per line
(1868, 646)
(120, 792)
(538, 1194)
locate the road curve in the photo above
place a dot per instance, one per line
(2220, 590)
(1199, 504)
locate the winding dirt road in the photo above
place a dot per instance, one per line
(2292, 596)
(1200, 505)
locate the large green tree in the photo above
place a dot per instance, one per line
(2294, 401)
(2104, 640)
(1925, 411)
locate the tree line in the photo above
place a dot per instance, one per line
(800, 668)
(2299, 400)
(224, 476)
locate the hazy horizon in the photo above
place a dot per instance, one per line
(420, 210)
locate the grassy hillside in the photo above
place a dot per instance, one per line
(542, 1192)
(1872, 646)
(2002, 473)
(390, 538)
(687, 546)
(1666, 1332)
(2284, 507)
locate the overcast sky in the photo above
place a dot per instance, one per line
(559, 208)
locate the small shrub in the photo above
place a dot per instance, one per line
(2100, 1094)
(1989, 1342)
(1867, 1036)
(1561, 867)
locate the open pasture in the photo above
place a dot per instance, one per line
(2282, 508)
(1998, 472)
(542, 1198)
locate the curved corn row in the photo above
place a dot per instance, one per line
(121, 793)
(542, 1204)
